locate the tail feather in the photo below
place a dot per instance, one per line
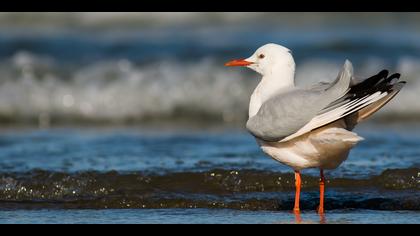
(366, 112)
(337, 135)
(380, 85)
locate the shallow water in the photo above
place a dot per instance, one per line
(57, 172)
(204, 216)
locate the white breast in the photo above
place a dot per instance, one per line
(325, 148)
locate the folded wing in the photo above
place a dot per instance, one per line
(365, 97)
(291, 114)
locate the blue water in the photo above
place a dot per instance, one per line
(116, 72)
(62, 174)
(153, 149)
(203, 216)
(133, 118)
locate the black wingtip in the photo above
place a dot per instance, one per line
(383, 73)
(395, 75)
(370, 82)
(392, 77)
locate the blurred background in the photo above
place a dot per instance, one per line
(137, 110)
(143, 68)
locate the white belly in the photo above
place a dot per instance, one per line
(326, 149)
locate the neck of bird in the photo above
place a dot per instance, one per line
(278, 79)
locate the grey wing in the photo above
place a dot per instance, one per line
(320, 86)
(366, 96)
(286, 113)
(283, 115)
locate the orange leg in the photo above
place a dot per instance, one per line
(321, 192)
(297, 195)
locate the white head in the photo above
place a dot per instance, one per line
(269, 59)
(276, 65)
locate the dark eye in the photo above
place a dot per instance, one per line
(261, 56)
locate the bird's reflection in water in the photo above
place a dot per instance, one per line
(298, 218)
(322, 219)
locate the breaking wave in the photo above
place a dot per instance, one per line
(34, 89)
(136, 67)
(393, 189)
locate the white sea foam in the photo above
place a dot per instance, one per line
(34, 88)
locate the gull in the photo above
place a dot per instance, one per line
(310, 127)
